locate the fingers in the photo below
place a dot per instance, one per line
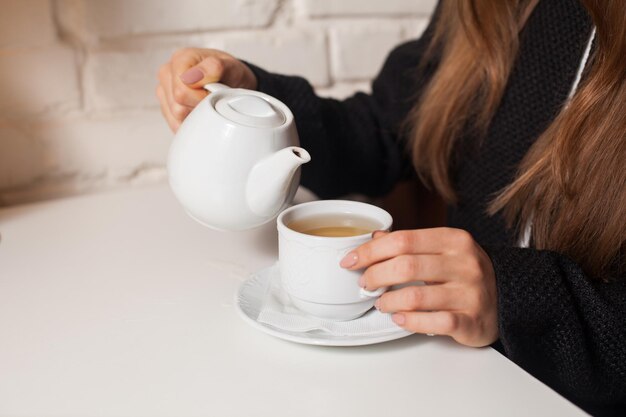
(184, 95)
(237, 74)
(406, 268)
(175, 111)
(379, 233)
(176, 98)
(190, 72)
(462, 300)
(421, 298)
(459, 326)
(196, 69)
(439, 322)
(165, 110)
(211, 69)
(422, 241)
(190, 75)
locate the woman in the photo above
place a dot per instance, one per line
(514, 112)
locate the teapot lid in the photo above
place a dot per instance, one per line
(249, 110)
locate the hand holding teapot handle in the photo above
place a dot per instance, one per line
(183, 77)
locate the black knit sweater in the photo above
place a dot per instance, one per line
(565, 328)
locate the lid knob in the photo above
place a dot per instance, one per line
(250, 110)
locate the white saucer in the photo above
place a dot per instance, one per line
(249, 300)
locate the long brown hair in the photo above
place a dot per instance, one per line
(571, 185)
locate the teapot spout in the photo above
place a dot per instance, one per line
(270, 180)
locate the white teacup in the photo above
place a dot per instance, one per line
(309, 265)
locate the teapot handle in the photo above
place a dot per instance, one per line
(215, 87)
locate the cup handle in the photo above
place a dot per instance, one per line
(215, 87)
(369, 294)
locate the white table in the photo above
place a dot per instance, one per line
(118, 304)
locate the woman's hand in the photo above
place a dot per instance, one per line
(181, 80)
(460, 298)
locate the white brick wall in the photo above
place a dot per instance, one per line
(301, 52)
(357, 51)
(97, 19)
(38, 81)
(121, 78)
(77, 77)
(324, 8)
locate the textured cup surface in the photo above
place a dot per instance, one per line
(309, 265)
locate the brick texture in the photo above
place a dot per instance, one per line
(122, 78)
(324, 8)
(104, 145)
(115, 18)
(358, 52)
(296, 52)
(38, 81)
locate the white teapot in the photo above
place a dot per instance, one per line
(234, 161)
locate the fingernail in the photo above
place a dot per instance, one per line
(192, 75)
(377, 304)
(362, 281)
(349, 260)
(377, 233)
(398, 319)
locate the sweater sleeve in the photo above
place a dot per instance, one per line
(563, 327)
(357, 144)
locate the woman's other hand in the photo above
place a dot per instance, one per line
(181, 80)
(459, 299)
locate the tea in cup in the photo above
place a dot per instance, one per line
(312, 239)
